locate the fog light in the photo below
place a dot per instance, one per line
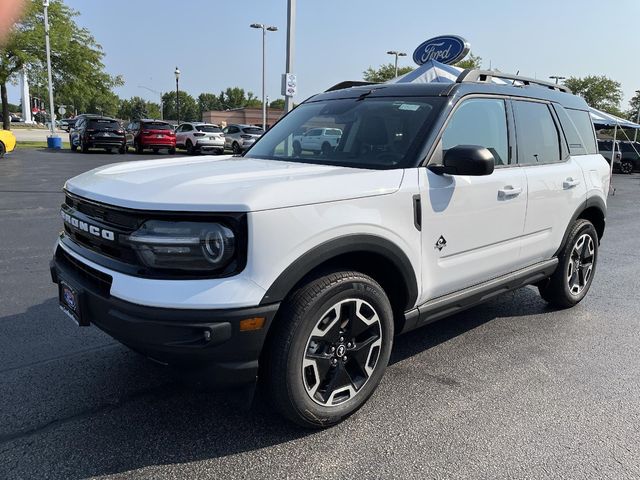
(251, 324)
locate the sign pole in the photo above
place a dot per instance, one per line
(291, 34)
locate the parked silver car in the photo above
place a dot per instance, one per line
(240, 137)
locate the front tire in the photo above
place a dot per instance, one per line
(139, 149)
(576, 267)
(328, 349)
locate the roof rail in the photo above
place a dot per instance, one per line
(349, 84)
(470, 75)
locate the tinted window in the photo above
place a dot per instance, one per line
(156, 126)
(377, 132)
(482, 122)
(103, 123)
(233, 130)
(316, 132)
(253, 130)
(584, 125)
(208, 128)
(538, 140)
(333, 132)
(574, 140)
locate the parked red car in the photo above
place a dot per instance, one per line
(151, 134)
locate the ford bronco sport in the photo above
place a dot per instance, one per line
(295, 269)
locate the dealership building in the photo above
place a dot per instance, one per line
(246, 116)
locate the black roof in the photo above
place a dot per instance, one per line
(455, 90)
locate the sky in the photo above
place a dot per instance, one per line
(336, 40)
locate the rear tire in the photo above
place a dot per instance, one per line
(190, 150)
(139, 149)
(235, 148)
(83, 146)
(328, 349)
(172, 151)
(576, 267)
(3, 149)
(156, 150)
(626, 167)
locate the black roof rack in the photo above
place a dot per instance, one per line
(486, 76)
(349, 84)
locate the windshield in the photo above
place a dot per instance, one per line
(156, 126)
(374, 133)
(208, 128)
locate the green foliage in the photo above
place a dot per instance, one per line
(598, 91)
(384, 73)
(471, 61)
(208, 102)
(634, 107)
(136, 108)
(279, 103)
(189, 111)
(79, 79)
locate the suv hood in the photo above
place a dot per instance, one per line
(227, 184)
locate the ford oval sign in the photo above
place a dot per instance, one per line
(444, 49)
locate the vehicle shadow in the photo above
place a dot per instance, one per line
(121, 412)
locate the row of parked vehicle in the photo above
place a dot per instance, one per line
(627, 154)
(92, 131)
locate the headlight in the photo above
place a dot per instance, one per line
(192, 246)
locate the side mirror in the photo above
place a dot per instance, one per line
(466, 160)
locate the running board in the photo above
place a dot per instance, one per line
(461, 300)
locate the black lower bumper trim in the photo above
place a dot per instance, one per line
(184, 337)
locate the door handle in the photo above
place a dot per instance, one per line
(570, 183)
(509, 191)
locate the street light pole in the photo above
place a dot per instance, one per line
(635, 135)
(177, 74)
(397, 54)
(264, 28)
(557, 78)
(52, 114)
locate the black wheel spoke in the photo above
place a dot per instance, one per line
(342, 352)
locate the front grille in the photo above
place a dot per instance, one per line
(100, 282)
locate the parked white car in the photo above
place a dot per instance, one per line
(195, 137)
(317, 140)
(297, 270)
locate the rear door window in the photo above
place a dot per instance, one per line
(536, 132)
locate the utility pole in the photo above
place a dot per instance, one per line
(177, 74)
(291, 35)
(52, 114)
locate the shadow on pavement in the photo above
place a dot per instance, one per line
(107, 410)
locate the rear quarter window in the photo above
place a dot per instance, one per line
(582, 121)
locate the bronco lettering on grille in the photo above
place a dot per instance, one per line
(87, 227)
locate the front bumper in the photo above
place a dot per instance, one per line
(184, 337)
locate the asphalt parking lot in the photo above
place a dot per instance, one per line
(510, 389)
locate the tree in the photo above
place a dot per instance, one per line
(79, 79)
(598, 91)
(384, 73)
(471, 62)
(634, 107)
(279, 103)
(136, 108)
(208, 102)
(189, 111)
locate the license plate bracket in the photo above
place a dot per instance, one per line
(70, 302)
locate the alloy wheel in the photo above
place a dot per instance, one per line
(580, 264)
(342, 352)
(626, 167)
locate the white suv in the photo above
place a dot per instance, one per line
(298, 269)
(317, 140)
(197, 137)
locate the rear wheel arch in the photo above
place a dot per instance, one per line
(595, 211)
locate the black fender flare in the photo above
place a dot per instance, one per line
(590, 202)
(358, 243)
